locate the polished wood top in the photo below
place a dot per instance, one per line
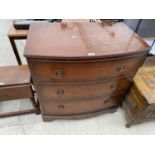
(82, 40)
(14, 75)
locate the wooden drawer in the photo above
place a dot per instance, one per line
(82, 106)
(15, 92)
(82, 90)
(46, 71)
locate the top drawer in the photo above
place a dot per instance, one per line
(58, 71)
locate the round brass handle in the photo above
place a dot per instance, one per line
(61, 106)
(60, 92)
(120, 68)
(59, 73)
(106, 101)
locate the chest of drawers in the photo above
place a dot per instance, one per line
(82, 69)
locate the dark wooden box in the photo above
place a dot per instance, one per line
(140, 101)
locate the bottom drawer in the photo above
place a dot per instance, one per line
(81, 107)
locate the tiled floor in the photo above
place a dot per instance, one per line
(32, 124)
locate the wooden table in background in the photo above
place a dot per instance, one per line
(17, 34)
(13, 35)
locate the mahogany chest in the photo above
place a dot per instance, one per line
(140, 101)
(82, 69)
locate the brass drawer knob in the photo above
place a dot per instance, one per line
(60, 92)
(61, 106)
(106, 101)
(59, 73)
(120, 68)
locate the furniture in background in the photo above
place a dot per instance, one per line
(20, 31)
(15, 81)
(145, 28)
(25, 23)
(79, 73)
(15, 84)
(15, 34)
(139, 103)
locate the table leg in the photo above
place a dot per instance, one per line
(35, 106)
(138, 25)
(153, 43)
(12, 41)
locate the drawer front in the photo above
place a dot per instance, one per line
(46, 71)
(15, 92)
(81, 107)
(82, 90)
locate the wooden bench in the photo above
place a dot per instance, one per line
(15, 84)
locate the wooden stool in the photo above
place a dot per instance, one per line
(15, 84)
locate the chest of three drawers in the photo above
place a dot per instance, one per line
(73, 89)
(82, 69)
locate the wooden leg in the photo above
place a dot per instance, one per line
(138, 25)
(127, 125)
(35, 106)
(12, 41)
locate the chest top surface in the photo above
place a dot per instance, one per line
(82, 40)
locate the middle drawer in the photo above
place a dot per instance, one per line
(60, 91)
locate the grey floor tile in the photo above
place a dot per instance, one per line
(13, 130)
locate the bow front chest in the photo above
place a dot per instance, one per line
(82, 69)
